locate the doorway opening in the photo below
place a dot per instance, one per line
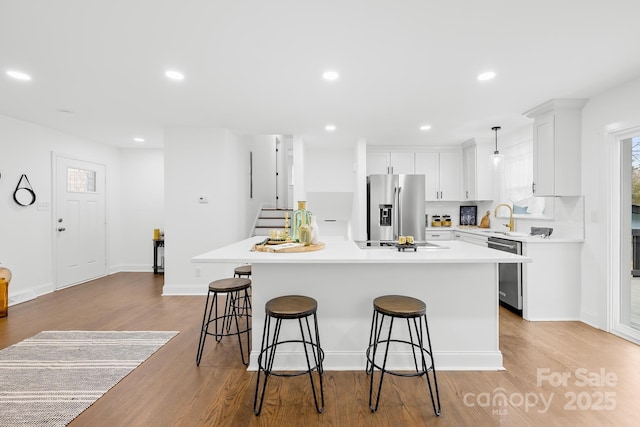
(623, 316)
(629, 300)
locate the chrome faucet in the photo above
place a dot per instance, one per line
(511, 225)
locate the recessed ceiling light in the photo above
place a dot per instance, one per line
(330, 75)
(486, 76)
(138, 139)
(330, 128)
(425, 127)
(18, 75)
(174, 75)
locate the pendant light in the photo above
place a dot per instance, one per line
(497, 158)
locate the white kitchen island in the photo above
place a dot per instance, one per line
(458, 283)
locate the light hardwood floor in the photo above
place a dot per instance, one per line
(170, 390)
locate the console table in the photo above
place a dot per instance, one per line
(157, 243)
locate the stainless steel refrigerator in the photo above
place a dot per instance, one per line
(395, 207)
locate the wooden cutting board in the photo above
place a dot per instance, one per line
(270, 248)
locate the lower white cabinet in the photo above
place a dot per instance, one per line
(434, 234)
(474, 238)
(551, 283)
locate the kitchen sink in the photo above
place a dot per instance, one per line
(505, 233)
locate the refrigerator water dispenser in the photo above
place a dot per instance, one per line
(385, 215)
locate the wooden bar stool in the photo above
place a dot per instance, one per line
(237, 296)
(415, 312)
(284, 308)
(243, 270)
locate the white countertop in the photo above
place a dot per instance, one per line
(340, 251)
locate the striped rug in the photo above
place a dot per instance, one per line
(49, 379)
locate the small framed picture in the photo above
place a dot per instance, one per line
(468, 215)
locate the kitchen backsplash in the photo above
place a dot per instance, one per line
(567, 220)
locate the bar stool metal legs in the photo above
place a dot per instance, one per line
(244, 271)
(282, 308)
(237, 296)
(414, 311)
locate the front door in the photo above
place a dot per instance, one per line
(79, 221)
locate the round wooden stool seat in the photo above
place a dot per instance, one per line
(243, 270)
(229, 285)
(291, 307)
(400, 306)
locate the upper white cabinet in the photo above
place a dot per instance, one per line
(556, 147)
(477, 172)
(442, 174)
(379, 162)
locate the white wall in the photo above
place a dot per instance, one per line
(26, 232)
(202, 162)
(359, 219)
(329, 169)
(141, 207)
(618, 107)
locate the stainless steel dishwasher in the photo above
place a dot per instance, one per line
(509, 275)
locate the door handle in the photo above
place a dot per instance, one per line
(61, 228)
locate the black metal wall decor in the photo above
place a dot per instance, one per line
(24, 194)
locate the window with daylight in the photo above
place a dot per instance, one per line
(635, 171)
(515, 177)
(81, 181)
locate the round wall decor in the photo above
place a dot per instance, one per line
(24, 194)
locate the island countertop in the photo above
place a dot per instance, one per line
(459, 284)
(338, 250)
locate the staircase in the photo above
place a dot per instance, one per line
(271, 219)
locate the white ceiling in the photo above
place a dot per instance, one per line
(255, 67)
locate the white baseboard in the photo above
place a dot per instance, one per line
(130, 268)
(29, 294)
(591, 319)
(356, 361)
(187, 289)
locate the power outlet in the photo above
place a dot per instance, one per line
(198, 272)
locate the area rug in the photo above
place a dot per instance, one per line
(49, 379)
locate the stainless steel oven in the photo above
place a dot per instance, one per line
(509, 275)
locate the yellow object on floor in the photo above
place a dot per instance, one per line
(5, 278)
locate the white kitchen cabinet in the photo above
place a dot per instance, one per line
(379, 162)
(477, 171)
(551, 283)
(442, 174)
(435, 234)
(556, 147)
(473, 238)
